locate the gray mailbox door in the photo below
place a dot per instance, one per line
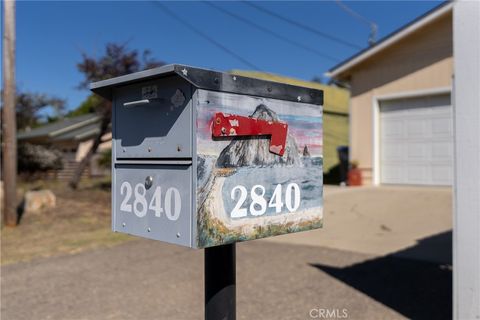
(153, 119)
(153, 201)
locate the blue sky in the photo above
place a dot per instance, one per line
(52, 35)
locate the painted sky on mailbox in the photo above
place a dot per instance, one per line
(304, 124)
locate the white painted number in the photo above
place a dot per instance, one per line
(173, 201)
(156, 202)
(177, 203)
(276, 200)
(296, 197)
(258, 206)
(128, 190)
(238, 211)
(140, 200)
(258, 200)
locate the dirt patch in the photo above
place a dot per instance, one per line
(80, 221)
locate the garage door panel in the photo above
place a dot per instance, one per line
(392, 152)
(416, 141)
(442, 126)
(416, 128)
(417, 174)
(392, 174)
(442, 151)
(442, 175)
(417, 151)
(393, 129)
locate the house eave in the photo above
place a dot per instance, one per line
(343, 67)
(73, 127)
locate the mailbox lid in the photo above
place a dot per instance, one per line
(214, 81)
(168, 200)
(153, 119)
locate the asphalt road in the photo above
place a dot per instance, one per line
(151, 280)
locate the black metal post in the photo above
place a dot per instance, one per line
(220, 286)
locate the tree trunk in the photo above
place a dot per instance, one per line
(86, 160)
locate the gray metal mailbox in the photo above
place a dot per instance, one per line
(202, 158)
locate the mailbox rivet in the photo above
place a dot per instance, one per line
(269, 89)
(148, 182)
(124, 150)
(179, 148)
(124, 224)
(149, 149)
(148, 229)
(178, 234)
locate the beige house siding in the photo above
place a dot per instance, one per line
(419, 62)
(85, 146)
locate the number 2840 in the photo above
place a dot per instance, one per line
(258, 205)
(172, 202)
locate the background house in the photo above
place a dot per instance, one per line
(73, 136)
(335, 114)
(401, 128)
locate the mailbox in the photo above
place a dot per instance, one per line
(202, 158)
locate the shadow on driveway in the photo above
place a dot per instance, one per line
(416, 289)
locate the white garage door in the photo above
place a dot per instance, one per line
(416, 141)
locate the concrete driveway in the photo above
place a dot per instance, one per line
(414, 222)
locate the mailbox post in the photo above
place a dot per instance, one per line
(205, 159)
(220, 282)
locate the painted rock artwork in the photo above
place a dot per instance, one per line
(259, 167)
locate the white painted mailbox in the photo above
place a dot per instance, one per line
(203, 158)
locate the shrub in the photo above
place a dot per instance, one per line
(36, 158)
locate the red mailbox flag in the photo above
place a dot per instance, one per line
(230, 125)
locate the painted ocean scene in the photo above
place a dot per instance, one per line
(307, 178)
(244, 190)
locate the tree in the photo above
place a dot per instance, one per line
(117, 60)
(29, 105)
(317, 79)
(87, 106)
